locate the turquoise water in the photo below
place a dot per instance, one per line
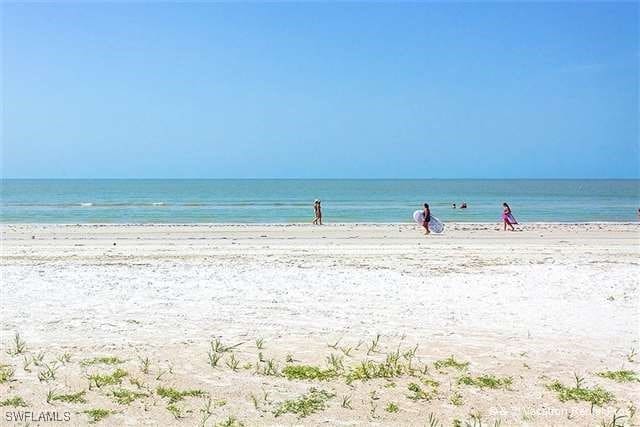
(285, 201)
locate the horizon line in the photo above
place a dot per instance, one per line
(316, 179)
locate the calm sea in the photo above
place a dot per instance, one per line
(290, 201)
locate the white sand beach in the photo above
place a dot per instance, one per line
(524, 309)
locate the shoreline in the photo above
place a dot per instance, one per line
(329, 224)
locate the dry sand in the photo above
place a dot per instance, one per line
(537, 305)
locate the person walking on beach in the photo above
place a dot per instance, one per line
(426, 217)
(317, 211)
(507, 217)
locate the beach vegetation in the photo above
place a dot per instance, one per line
(418, 393)
(616, 420)
(100, 380)
(486, 381)
(174, 410)
(254, 400)
(346, 402)
(408, 356)
(528, 417)
(161, 373)
(476, 420)
(48, 373)
(104, 360)
(336, 362)
(410, 353)
(19, 346)
(97, 414)
(631, 356)
(38, 359)
(596, 395)
(269, 368)
(6, 373)
(136, 382)
(433, 421)
(395, 364)
(430, 382)
(373, 408)
(346, 351)
(206, 412)
(145, 365)
(308, 372)
(365, 370)
(232, 362)
(392, 407)
(230, 421)
(368, 369)
(260, 343)
(78, 397)
(451, 362)
(334, 345)
(218, 347)
(305, 405)
(174, 395)
(265, 397)
(374, 347)
(64, 358)
(26, 364)
(632, 410)
(621, 376)
(15, 401)
(214, 358)
(456, 399)
(126, 397)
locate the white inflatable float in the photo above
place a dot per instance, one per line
(435, 225)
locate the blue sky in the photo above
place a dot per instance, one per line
(320, 90)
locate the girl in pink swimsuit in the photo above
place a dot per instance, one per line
(507, 217)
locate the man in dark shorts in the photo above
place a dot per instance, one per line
(426, 213)
(317, 211)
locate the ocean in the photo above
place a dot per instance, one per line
(291, 201)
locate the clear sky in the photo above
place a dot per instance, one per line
(320, 90)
